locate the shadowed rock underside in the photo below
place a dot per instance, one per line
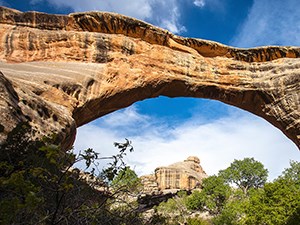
(62, 71)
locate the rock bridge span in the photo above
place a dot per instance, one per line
(62, 71)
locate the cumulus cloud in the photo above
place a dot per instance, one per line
(171, 22)
(270, 23)
(161, 13)
(217, 143)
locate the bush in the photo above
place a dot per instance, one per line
(38, 186)
(198, 221)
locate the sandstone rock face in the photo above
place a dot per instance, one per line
(185, 175)
(62, 71)
(150, 185)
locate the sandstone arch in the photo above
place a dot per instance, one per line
(62, 71)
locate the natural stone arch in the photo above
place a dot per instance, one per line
(60, 72)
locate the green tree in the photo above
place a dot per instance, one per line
(196, 201)
(234, 210)
(274, 204)
(245, 174)
(174, 211)
(213, 196)
(127, 181)
(278, 202)
(293, 172)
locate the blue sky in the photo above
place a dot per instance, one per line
(165, 130)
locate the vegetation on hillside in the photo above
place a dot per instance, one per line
(38, 185)
(240, 195)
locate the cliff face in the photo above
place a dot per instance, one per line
(186, 175)
(62, 71)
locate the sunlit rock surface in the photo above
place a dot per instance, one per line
(185, 175)
(63, 71)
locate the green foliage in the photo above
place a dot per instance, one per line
(174, 211)
(109, 173)
(89, 156)
(168, 207)
(214, 194)
(197, 221)
(253, 202)
(127, 180)
(247, 173)
(292, 173)
(294, 218)
(233, 212)
(278, 202)
(176, 204)
(18, 198)
(158, 219)
(38, 186)
(196, 201)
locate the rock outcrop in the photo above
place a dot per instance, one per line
(150, 185)
(186, 175)
(62, 71)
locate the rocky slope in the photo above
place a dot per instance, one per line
(62, 71)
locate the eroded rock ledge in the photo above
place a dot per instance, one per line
(62, 71)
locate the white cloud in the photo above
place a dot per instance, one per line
(161, 13)
(140, 9)
(270, 23)
(217, 6)
(171, 22)
(199, 3)
(126, 117)
(217, 142)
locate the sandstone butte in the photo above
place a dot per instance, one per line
(186, 175)
(62, 71)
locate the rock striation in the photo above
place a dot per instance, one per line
(186, 175)
(150, 185)
(60, 72)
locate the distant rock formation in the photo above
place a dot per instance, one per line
(185, 175)
(59, 72)
(150, 185)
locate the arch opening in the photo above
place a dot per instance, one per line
(167, 130)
